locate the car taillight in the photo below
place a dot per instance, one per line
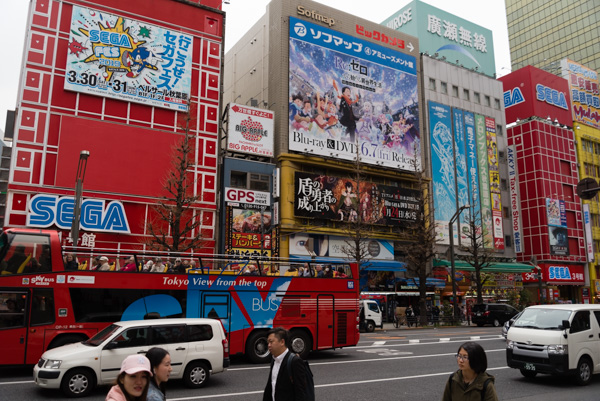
(225, 348)
(486, 313)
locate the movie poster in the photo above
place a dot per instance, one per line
(350, 97)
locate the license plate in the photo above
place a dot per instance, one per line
(529, 366)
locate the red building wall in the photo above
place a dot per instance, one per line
(130, 143)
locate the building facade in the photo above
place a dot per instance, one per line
(120, 80)
(541, 33)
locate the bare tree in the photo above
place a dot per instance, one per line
(175, 227)
(419, 247)
(479, 253)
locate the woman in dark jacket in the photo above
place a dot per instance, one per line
(470, 382)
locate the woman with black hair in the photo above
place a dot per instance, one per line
(160, 360)
(471, 382)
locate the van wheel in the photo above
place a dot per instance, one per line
(496, 323)
(257, 348)
(583, 376)
(196, 374)
(370, 326)
(300, 343)
(78, 383)
(528, 373)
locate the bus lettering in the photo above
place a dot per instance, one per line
(175, 281)
(270, 304)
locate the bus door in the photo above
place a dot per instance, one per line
(216, 305)
(324, 321)
(42, 314)
(13, 326)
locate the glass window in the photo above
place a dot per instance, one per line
(168, 334)
(476, 97)
(200, 332)
(260, 182)
(42, 306)
(454, 90)
(497, 103)
(12, 309)
(431, 84)
(466, 95)
(239, 179)
(487, 100)
(444, 87)
(27, 254)
(581, 322)
(132, 337)
(499, 130)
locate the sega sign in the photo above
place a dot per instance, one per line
(513, 97)
(551, 96)
(46, 210)
(247, 196)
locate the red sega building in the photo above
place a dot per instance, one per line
(549, 211)
(117, 79)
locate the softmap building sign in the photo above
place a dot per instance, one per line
(461, 42)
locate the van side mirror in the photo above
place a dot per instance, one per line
(565, 325)
(111, 345)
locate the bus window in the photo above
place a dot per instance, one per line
(12, 309)
(42, 306)
(27, 254)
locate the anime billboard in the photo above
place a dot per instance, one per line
(342, 199)
(134, 61)
(585, 92)
(351, 97)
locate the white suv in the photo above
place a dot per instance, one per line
(198, 347)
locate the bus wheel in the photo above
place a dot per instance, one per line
(257, 348)
(64, 340)
(196, 375)
(300, 343)
(78, 383)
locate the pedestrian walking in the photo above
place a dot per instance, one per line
(410, 316)
(284, 385)
(133, 380)
(160, 362)
(470, 382)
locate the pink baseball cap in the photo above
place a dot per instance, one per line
(136, 363)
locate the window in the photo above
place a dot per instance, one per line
(200, 332)
(444, 87)
(42, 306)
(505, 211)
(168, 334)
(477, 97)
(499, 130)
(508, 241)
(497, 104)
(431, 84)
(454, 90)
(466, 95)
(133, 337)
(486, 99)
(581, 322)
(12, 309)
(503, 184)
(502, 156)
(27, 254)
(255, 181)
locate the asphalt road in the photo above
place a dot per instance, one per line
(398, 364)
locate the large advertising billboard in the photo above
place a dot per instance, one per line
(350, 97)
(557, 227)
(585, 99)
(343, 199)
(121, 58)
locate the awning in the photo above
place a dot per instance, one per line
(499, 267)
(383, 265)
(430, 281)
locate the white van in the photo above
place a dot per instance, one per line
(198, 348)
(370, 315)
(556, 339)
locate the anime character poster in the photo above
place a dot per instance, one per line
(116, 57)
(350, 97)
(342, 199)
(472, 169)
(442, 167)
(484, 181)
(462, 184)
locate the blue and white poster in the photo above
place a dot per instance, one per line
(472, 169)
(121, 58)
(350, 97)
(442, 167)
(462, 183)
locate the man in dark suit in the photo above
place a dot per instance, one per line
(279, 386)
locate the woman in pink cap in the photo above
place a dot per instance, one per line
(132, 382)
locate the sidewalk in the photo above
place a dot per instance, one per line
(390, 326)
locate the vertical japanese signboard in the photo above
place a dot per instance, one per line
(117, 57)
(462, 183)
(585, 99)
(493, 166)
(484, 181)
(472, 169)
(514, 199)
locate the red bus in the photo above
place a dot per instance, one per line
(44, 305)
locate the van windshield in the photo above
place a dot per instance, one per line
(543, 319)
(101, 336)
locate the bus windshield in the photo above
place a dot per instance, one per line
(102, 335)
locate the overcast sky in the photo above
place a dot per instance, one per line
(241, 15)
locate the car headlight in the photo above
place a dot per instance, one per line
(52, 364)
(558, 349)
(510, 344)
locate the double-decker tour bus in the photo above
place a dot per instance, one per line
(47, 299)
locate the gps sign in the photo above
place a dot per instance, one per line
(249, 197)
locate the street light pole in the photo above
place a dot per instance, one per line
(83, 156)
(453, 270)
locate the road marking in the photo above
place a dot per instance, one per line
(444, 340)
(377, 343)
(331, 384)
(423, 342)
(475, 338)
(414, 341)
(24, 381)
